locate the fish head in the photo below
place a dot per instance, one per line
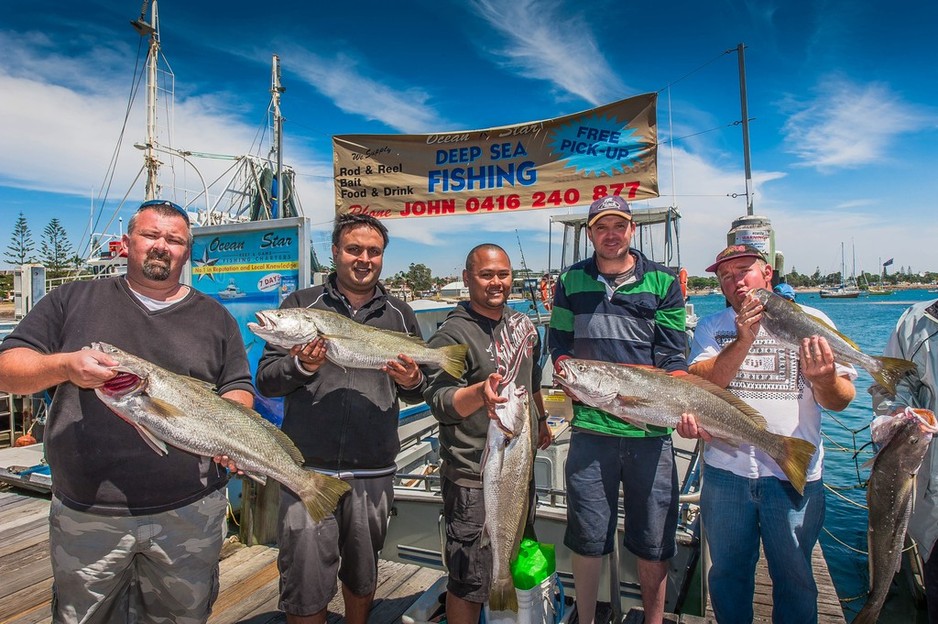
(908, 431)
(763, 295)
(583, 378)
(285, 327)
(122, 385)
(132, 373)
(513, 415)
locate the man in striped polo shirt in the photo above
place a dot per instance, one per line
(619, 306)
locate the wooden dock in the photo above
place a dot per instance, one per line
(249, 582)
(249, 578)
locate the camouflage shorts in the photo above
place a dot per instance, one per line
(161, 567)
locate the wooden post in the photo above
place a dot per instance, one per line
(259, 507)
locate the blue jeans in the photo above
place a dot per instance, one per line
(736, 511)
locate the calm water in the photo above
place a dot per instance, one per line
(868, 321)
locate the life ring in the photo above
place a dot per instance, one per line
(682, 279)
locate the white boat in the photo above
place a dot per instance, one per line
(231, 291)
(847, 289)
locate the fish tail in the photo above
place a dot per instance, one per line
(793, 460)
(454, 360)
(321, 493)
(503, 596)
(891, 371)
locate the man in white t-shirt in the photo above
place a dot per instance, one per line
(745, 496)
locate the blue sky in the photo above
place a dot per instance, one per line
(842, 95)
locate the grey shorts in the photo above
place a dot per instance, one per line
(159, 567)
(468, 561)
(596, 466)
(345, 546)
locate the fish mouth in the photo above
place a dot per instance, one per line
(264, 322)
(123, 384)
(926, 419)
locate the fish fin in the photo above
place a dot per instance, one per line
(152, 441)
(751, 413)
(627, 402)
(454, 362)
(893, 369)
(793, 460)
(503, 596)
(321, 493)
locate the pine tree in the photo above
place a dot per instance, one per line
(56, 250)
(21, 246)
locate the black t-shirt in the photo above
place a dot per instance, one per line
(99, 462)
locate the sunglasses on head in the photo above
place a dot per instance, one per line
(165, 202)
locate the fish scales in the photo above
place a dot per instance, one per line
(789, 324)
(351, 344)
(506, 473)
(188, 414)
(645, 396)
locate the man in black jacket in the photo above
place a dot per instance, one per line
(344, 421)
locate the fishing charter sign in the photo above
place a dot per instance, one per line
(566, 161)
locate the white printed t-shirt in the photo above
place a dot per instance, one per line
(769, 380)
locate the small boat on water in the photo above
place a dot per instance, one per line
(840, 292)
(847, 289)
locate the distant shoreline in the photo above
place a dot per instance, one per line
(815, 289)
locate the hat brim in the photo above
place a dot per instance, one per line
(599, 215)
(713, 267)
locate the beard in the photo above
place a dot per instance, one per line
(157, 271)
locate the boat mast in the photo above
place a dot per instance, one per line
(152, 30)
(277, 194)
(744, 108)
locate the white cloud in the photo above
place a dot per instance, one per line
(340, 79)
(848, 124)
(550, 42)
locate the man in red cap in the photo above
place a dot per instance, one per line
(619, 306)
(745, 496)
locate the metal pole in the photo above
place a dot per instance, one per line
(276, 89)
(744, 107)
(152, 164)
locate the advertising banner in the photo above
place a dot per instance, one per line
(566, 161)
(250, 267)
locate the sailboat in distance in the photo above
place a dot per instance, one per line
(844, 290)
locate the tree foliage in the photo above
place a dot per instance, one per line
(56, 250)
(418, 277)
(20, 250)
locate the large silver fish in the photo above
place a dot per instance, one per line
(507, 464)
(903, 439)
(789, 324)
(643, 396)
(351, 344)
(186, 413)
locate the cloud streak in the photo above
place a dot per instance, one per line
(348, 87)
(548, 42)
(848, 125)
